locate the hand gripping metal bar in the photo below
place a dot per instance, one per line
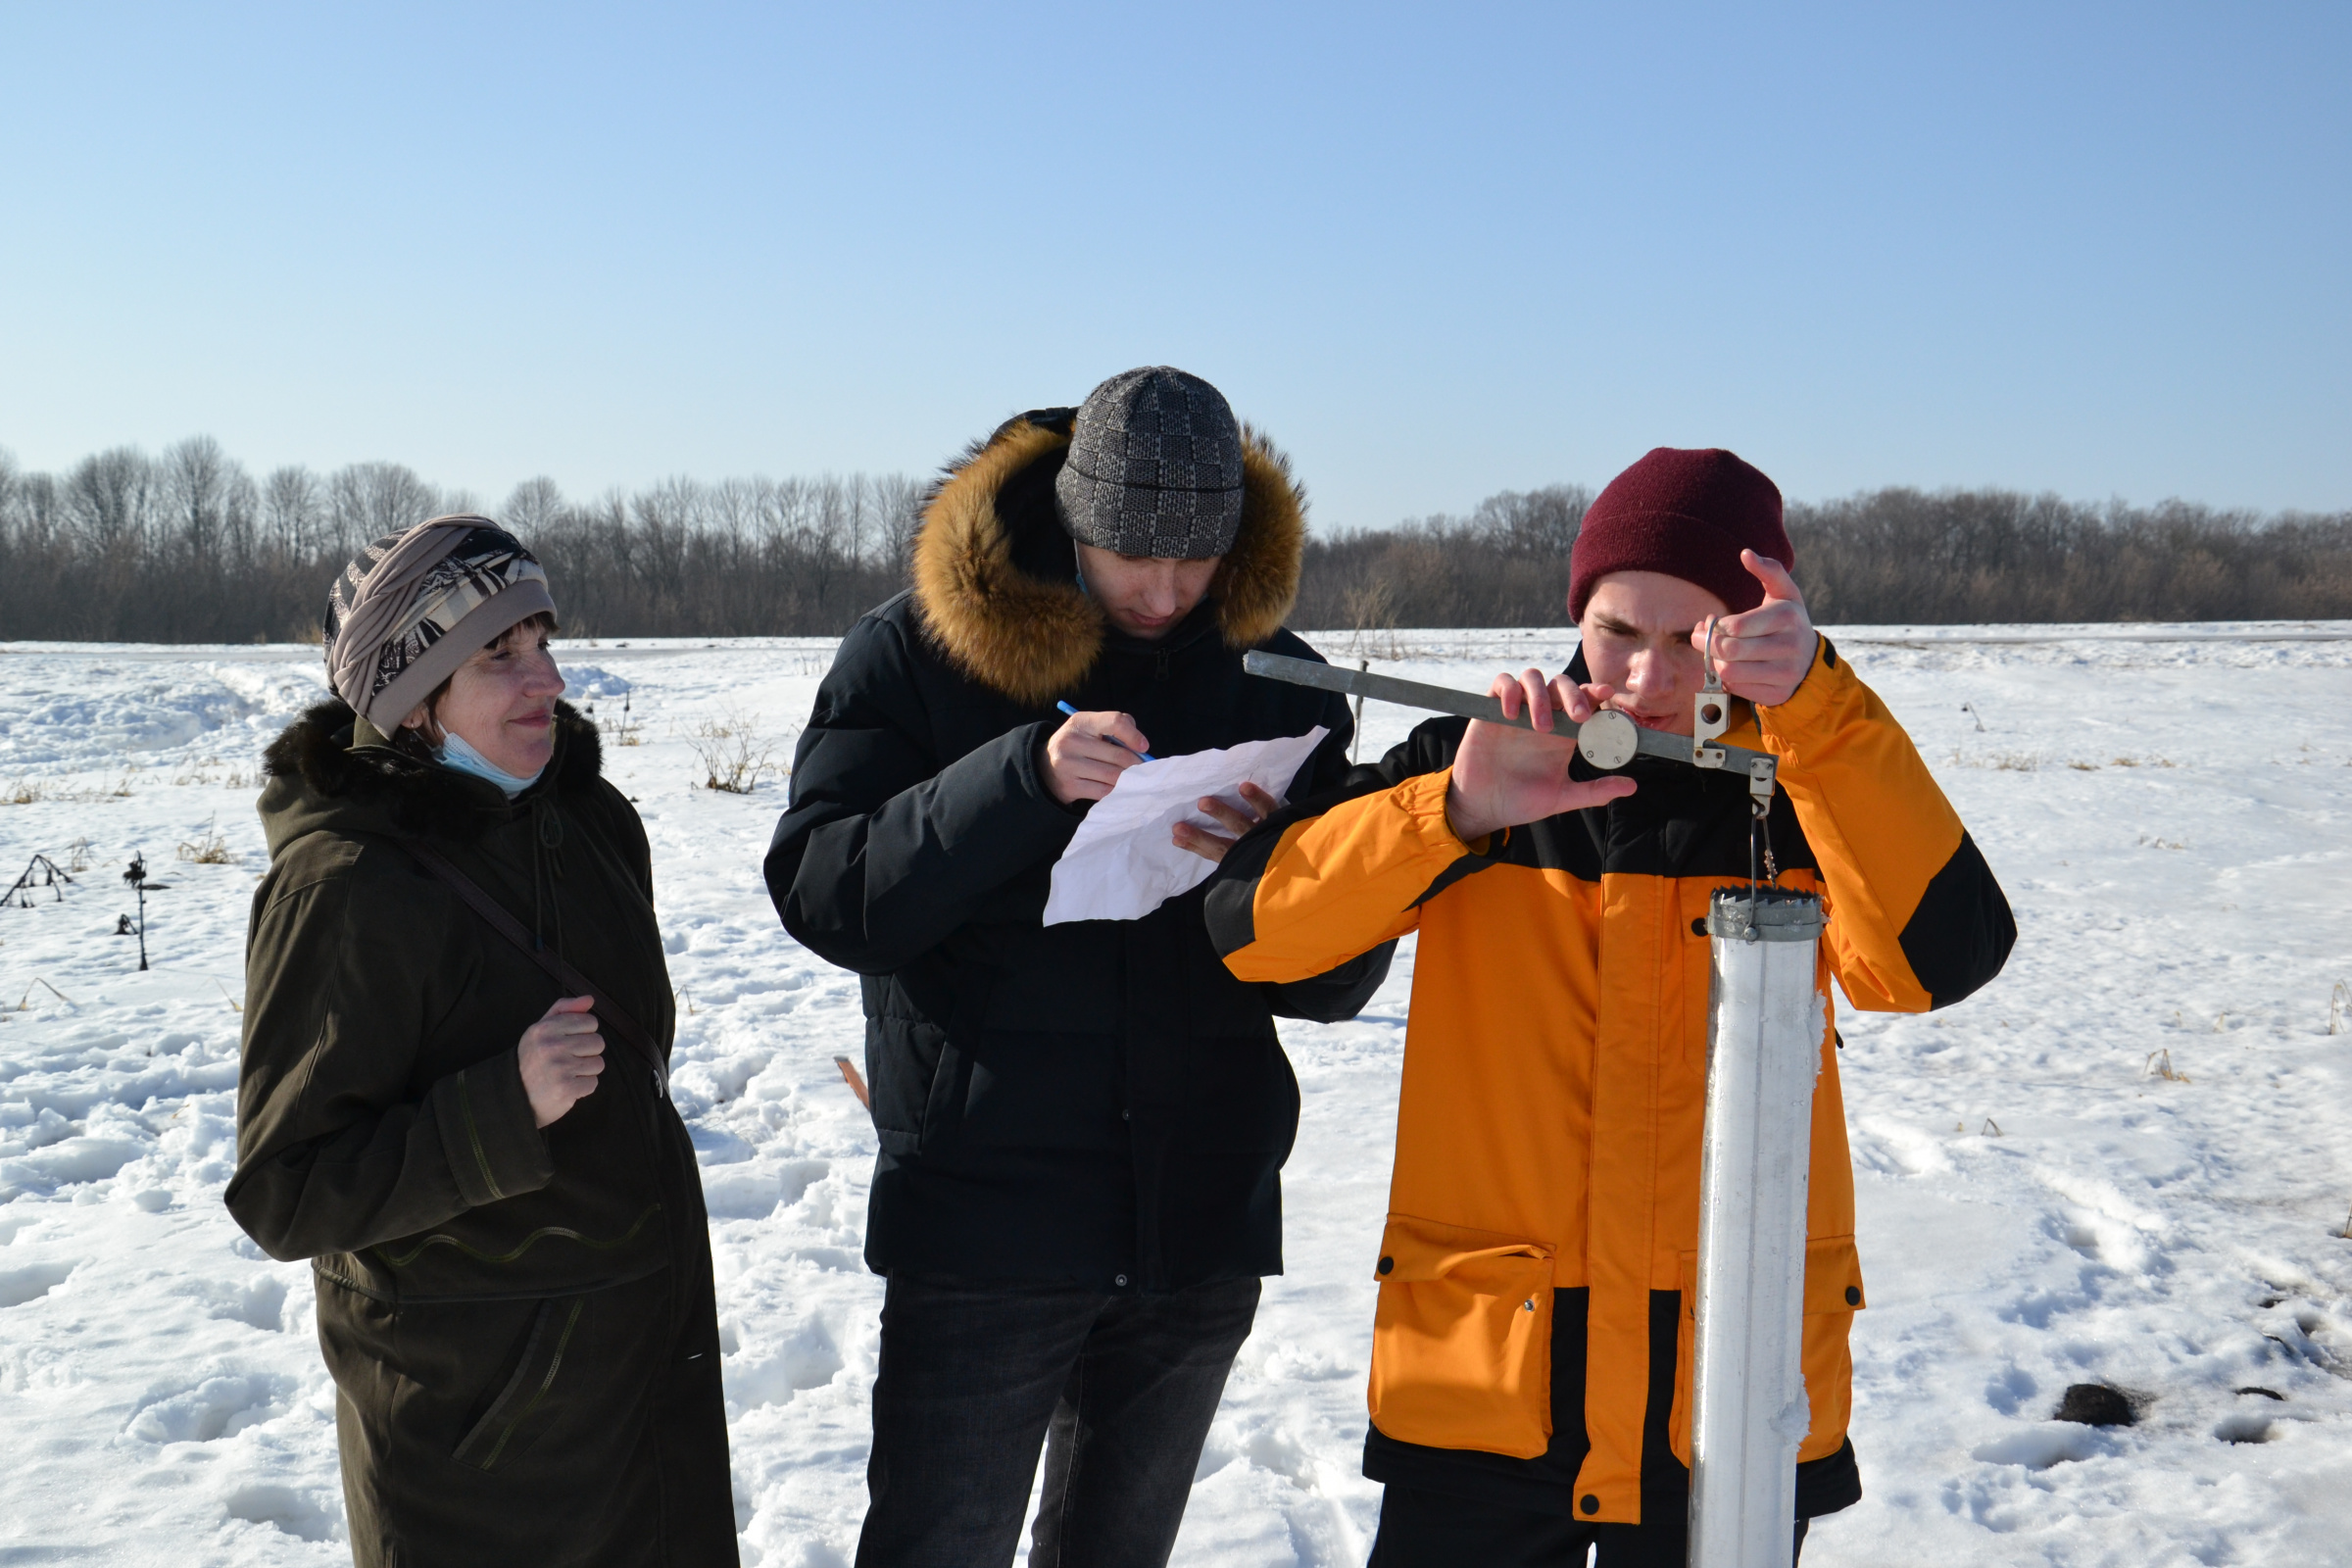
(1608, 739)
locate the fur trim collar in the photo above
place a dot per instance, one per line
(995, 575)
(316, 753)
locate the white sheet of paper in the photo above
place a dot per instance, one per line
(1122, 866)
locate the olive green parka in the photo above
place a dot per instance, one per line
(519, 1320)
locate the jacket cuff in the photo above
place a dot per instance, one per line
(488, 1133)
(1029, 748)
(1004, 771)
(1423, 800)
(1813, 702)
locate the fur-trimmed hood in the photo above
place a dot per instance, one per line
(320, 778)
(996, 576)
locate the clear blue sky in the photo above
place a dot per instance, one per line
(1435, 251)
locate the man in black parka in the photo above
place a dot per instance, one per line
(1082, 1125)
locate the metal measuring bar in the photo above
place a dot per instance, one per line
(1608, 740)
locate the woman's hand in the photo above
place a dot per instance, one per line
(1504, 775)
(1085, 757)
(561, 1054)
(1255, 808)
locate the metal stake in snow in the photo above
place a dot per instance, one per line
(1748, 1410)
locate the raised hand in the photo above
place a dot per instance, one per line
(561, 1056)
(1504, 775)
(1764, 653)
(1085, 757)
(1255, 806)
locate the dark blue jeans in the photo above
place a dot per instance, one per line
(1424, 1529)
(976, 1376)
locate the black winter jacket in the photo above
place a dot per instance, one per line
(1099, 1101)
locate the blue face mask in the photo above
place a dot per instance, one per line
(456, 754)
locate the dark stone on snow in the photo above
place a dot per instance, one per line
(2096, 1405)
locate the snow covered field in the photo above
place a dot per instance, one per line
(2165, 806)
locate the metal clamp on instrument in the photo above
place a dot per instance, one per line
(1608, 740)
(1710, 710)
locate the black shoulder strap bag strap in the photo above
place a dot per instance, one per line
(609, 1013)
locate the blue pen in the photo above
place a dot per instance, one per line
(1073, 713)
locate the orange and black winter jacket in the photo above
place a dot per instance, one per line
(1547, 1131)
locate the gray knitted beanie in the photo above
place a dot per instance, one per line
(1154, 467)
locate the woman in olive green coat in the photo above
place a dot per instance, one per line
(498, 1202)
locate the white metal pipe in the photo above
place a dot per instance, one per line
(1748, 1409)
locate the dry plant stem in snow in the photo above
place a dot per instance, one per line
(732, 752)
(31, 792)
(207, 848)
(25, 1004)
(39, 873)
(625, 730)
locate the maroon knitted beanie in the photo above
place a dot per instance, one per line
(1686, 514)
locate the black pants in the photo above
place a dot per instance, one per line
(1421, 1529)
(974, 1378)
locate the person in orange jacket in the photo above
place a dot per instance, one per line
(1548, 1127)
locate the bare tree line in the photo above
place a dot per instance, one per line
(189, 547)
(1895, 555)
(750, 556)
(1971, 555)
(1505, 565)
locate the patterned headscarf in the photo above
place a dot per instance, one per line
(414, 604)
